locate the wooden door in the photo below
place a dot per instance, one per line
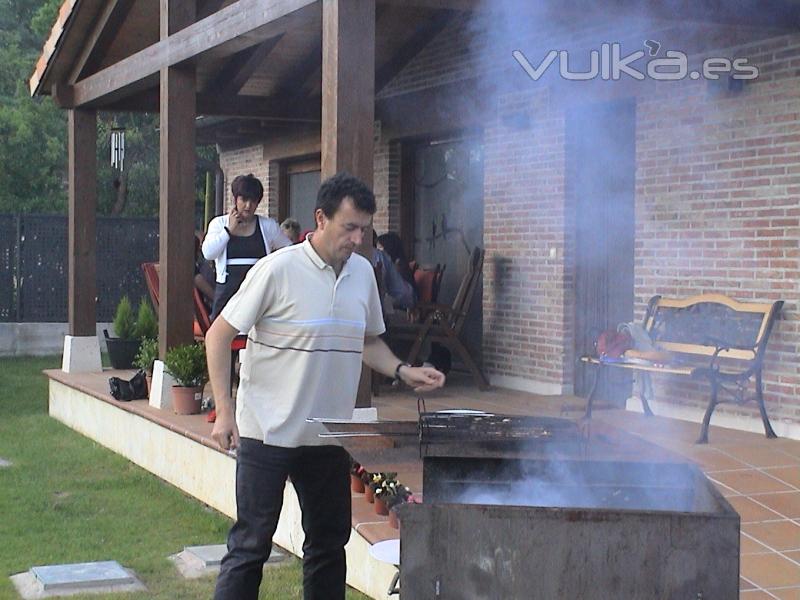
(601, 164)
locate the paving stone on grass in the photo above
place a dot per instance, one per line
(50, 581)
(199, 561)
(5, 463)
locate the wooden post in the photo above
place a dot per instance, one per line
(176, 193)
(82, 283)
(348, 105)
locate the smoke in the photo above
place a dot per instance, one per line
(584, 485)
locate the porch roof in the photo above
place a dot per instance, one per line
(254, 60)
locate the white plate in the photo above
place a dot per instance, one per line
(387, 551)
(462, 411)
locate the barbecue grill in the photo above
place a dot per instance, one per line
(541, 507)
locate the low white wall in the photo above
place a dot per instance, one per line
(39, 339)
(200, 471)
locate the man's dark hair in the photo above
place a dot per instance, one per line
(343, 185)
(248, 187)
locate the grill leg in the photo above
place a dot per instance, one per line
(712, 404)
(768, 431)
(647, 390)
(592, 392)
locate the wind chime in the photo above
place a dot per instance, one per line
(118, 147)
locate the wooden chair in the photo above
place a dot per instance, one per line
(443, 324)
(428, 282)
(150, 270)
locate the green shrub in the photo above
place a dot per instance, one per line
(146, 321)
(124, 324)
(187, 364)
(148, 353)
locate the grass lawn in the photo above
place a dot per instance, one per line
(67, 499)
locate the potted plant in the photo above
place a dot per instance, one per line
(356, 476)
(374, 484)
(395, 496)
(388, 494)
(147, 355)
(146, 321)
(187, 365)
(122, 349)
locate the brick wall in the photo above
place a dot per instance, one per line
(386, 184)
(524, 296)
(241, 161)
(717, 203)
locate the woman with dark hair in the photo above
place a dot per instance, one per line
(393, 246)
(236, 241)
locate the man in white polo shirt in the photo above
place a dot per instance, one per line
(312, 314)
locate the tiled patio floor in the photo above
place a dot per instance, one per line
(759, 477)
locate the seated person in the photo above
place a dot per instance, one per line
(401, 292)
(291, 229)
(236, 241)
(392, 245)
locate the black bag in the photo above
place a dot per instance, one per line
(135, 389)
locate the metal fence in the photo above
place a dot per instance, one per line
(34, 265)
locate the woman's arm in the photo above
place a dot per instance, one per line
(216, 239)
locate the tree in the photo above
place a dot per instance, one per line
(33, 150)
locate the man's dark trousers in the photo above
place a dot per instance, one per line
(320, 478)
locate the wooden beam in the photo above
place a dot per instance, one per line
(105, 29)
(176, 187)
(348, 87)
(223, 26)
(348, 106)
(82, 233)
(240, 67)
(411, 48)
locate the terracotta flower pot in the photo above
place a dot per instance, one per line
(394, 520)
(380, 506)
(186, 400)
(149, 380)
(369, 494)
(356, 484)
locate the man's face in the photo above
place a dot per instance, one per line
(341, 234)
(246, 207)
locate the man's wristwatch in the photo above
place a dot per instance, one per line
(397, 370)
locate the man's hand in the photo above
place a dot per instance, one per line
(225, 431)
(422, 379)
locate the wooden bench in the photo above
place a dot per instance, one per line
(710, 337)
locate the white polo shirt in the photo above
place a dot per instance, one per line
(305, 341)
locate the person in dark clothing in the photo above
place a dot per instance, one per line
(392, 245)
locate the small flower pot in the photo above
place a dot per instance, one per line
(186, 400)
(356, 484)
(380, 506)
(369, 494)
(394, 520)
